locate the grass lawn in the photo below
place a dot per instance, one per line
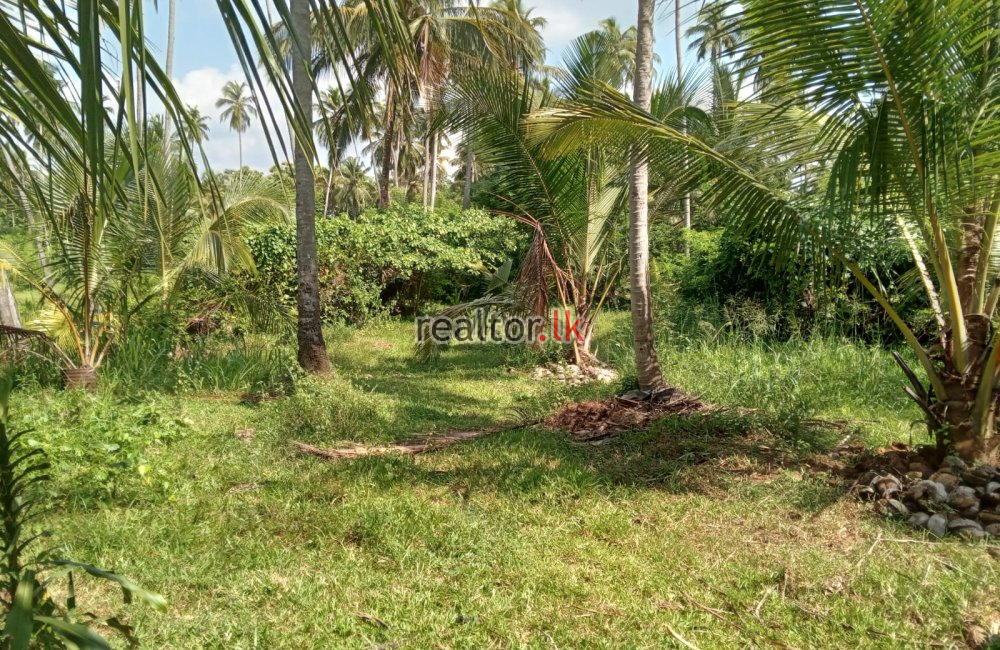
(522, 539)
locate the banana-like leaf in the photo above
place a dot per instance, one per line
(20, 625)
(77, 634)
(129, 589)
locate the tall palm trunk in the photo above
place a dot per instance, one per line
(427, 170)
(432, 165)
(387, 146)
(312, 348)
(680, 80)
(334, 163)
(469, 164)
(169, 67)
(9, 315)
(646, 365)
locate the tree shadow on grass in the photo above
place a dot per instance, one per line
(718, 455)
(465, 393)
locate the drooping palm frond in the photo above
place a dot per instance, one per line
(878, 117)
(574, 201)
(15, 341)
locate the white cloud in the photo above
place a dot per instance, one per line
(568, 19)
(202, 87)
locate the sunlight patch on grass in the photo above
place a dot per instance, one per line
(523, 538)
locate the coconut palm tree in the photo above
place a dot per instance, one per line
(446, 38)
(353, 187)
(619, 49)
(878, 136)
(238, 110)
(112, 259)
(647, 366)
(714, 36)
(524, 51)
(715, 33)
(312, 353)
(74, 133)
(338, 124)
(329, 134)
(197, 127)
(573, 200)
(524, 48)
(679, 64)
(169, 63)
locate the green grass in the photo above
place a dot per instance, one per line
(710, 528)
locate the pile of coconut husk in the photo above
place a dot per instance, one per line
(955, 499)
(596, 421)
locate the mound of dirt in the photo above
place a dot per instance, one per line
(595, 421)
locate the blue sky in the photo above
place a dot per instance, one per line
(204, 58)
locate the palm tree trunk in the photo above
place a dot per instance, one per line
(469, 163)
(955, 418)
(239, 139)
(433, 167)
(680, 80)
(329, 181)
(646, 364)
(9, 314)
(312, 348)
(169, 66)
(389, 134)
(427, 169)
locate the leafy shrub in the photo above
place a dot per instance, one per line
(389, 261)
(93, 442)
(34, 615)
(732, 285)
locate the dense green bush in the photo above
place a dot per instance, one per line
(390, 261)
(728, 283)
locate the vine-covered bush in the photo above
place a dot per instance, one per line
(729, 283)
(394, 261)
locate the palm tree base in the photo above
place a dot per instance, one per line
(313, 357)
(83, 378)
(952, 423)
(952, 418)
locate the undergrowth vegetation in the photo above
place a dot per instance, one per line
(776, 265)
(522, 538)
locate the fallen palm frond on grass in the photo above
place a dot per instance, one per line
(590, 421)
(593, 422)
(411, 447)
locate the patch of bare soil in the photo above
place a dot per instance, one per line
(596, 421)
